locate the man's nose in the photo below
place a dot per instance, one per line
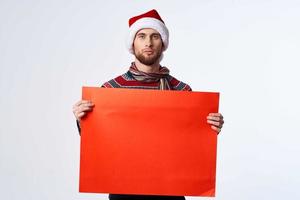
(148, 41)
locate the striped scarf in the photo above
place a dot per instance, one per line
(161, 76)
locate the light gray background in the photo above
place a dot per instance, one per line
(246, 50)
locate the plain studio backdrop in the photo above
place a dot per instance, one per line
(246, 50)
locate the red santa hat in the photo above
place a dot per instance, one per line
(149, 19)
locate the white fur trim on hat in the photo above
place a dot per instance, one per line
(147, 22)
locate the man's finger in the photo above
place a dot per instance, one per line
(85, 108)
(216, 115)
(83, 102)
(88, 104)
(214, 118)
(216, 123)
(80, 115)
(218, 130)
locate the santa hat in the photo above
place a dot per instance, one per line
(149, 19)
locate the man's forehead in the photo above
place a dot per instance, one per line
(148, 31)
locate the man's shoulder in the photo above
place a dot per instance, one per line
(119, 81)
(178, 85)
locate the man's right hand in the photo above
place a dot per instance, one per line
(81, 108)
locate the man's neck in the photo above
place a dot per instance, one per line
(147, 68)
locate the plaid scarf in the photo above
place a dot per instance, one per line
(161, 76)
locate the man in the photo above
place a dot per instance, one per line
(148, 38)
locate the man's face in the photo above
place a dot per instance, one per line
(147, 46)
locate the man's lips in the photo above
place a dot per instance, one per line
(148, 51)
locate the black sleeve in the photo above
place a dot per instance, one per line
(78, 126)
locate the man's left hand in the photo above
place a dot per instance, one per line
(216, 120)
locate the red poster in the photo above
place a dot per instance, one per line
(148, 142)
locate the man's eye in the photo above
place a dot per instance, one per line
(141, 36)
(156, 37)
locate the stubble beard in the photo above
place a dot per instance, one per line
(148, 60)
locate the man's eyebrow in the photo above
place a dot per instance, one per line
(156, 34)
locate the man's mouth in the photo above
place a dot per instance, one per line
(148, 51)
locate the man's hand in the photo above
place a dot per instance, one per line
(216, 120)
(81, 108)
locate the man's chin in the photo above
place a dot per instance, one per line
(148, 59)
(147, 62)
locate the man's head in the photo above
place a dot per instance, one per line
(148, 46)
(148, 37)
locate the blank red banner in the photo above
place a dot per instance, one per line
(148, 142)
